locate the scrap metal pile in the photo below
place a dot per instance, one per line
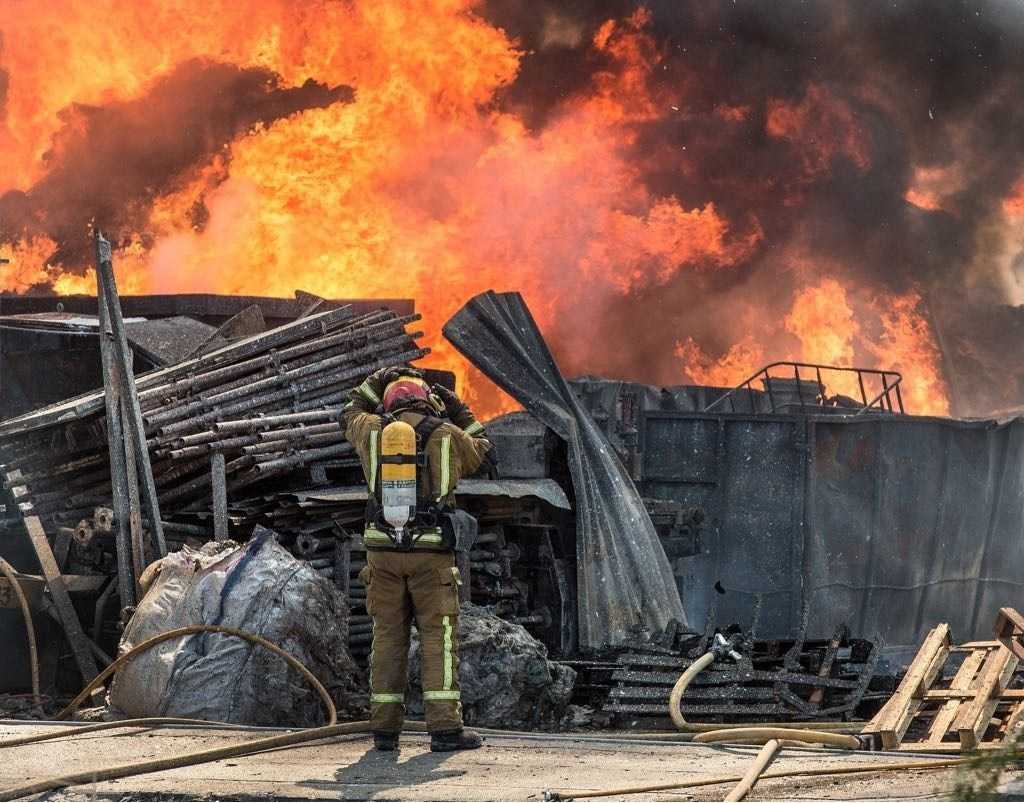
(288, 383)
(769, 680)
(266, 409)
(248, 435)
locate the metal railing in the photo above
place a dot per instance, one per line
(889, 400)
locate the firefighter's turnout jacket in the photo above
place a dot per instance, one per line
(420, 585)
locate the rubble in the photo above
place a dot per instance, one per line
(246, 435)
(298, 369)
(260, 589)
(769, 680)
(505, 676)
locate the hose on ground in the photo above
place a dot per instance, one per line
(189, 630)
(81, 730)
(26, 613)
(760, 735)
(679, 689)
(762, 761)
(184, 759)
(806, 773)
(772, 738)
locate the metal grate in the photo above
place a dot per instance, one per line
(810, 389)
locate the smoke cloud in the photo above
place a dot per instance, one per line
(872, 140)
(674, 179)
(108, 164)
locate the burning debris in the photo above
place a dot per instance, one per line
(854, 272)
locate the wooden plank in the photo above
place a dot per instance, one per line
(1013, 721)
(127, 577)
(973, 718)
(951, 694)
(960, 684)
(1009, 630)
(80, 645)
(892, 721)
(140, 558)
(131, 410)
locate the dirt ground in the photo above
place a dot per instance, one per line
(504, 769)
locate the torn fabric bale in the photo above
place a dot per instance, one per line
(259, 589)
(505, 676)
(624, 579)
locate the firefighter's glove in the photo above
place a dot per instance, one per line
(453, 405)
(383, 377)
(490, 463)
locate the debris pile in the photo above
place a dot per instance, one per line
(505, 676)
(258, 589)
(767, 680)
(289, 376)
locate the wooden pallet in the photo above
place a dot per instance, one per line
(942, 707)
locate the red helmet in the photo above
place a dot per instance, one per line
(404, 391)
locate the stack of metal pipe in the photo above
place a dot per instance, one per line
(269, 404)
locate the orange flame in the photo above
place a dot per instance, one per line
(824, 126)
(826, 320)
(420, 187)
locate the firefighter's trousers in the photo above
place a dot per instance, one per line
(403, 587)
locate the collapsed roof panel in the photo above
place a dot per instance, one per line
(623, 576)
(167, 340)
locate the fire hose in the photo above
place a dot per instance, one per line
(333, 729)
(772, 737)
(26, 613)
(185, 759)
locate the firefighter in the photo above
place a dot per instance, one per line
(415, 443)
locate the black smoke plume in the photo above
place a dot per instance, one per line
(933, 86)
(108, 164)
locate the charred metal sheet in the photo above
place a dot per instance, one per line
(623, 576)
(165, 341)
(888, 523)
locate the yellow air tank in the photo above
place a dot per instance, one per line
(398, 476)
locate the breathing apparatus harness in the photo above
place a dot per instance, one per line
(398, 513)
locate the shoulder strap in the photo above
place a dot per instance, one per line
(425, 428)
(423, 425)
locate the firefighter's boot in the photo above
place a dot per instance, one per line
(385, 742)
(449, 741)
